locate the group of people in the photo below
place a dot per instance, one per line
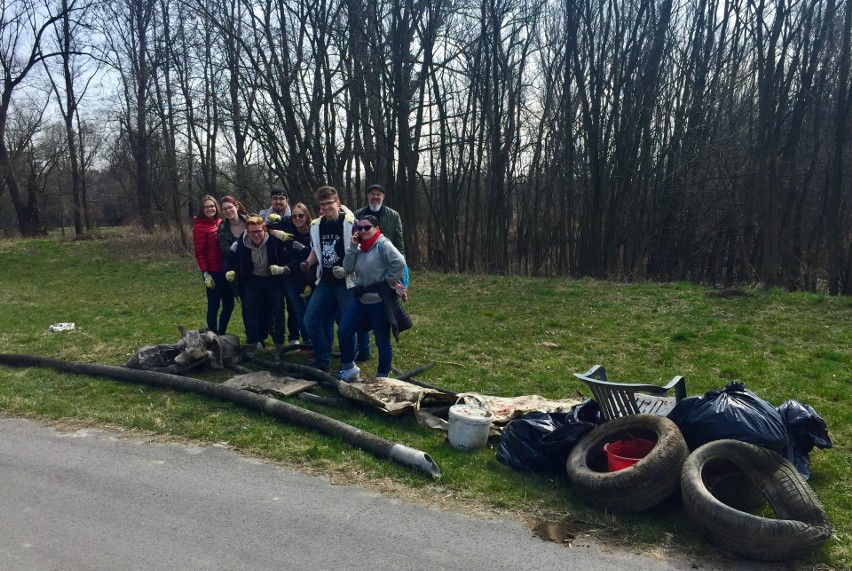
(341, 267)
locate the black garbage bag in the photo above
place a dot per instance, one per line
(541, 441)
(732, 412)
(805, 429)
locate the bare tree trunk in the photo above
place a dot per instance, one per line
(837, 282)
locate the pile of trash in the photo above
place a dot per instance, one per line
(197, 349)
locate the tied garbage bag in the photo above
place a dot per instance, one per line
(732, 412)
(542, 441)
(805, 429)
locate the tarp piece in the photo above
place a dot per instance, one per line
(262, 382)
(394, 397)
(197, 349)
(505, 409)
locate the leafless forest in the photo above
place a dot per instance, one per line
(702, 140)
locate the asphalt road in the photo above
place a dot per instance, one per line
(97, 499)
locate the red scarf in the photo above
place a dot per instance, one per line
(365, 245)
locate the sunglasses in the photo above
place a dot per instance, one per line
(365, 228)
(297, 216)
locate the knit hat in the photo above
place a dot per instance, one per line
(279, 191)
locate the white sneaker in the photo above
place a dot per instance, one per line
(260, 345)
(350, 375)
(294, 343)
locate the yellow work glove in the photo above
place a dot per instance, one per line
(231, 275)
(208, 280)
(278, 270)
(281, 235)
(273, 217)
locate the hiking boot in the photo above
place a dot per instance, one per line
(279, 351)
(247, 351)
(350, 375)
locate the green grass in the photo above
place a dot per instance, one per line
(507, 336)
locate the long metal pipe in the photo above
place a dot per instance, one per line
(280, 410)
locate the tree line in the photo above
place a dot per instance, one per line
(702, 140)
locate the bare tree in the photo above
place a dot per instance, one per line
(22, 30)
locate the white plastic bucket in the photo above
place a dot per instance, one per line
(469, 426)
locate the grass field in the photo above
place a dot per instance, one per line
(505, 336)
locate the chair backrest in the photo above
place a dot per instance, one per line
(624, 399)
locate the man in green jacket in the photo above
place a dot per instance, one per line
(391, 225)
(389, 218)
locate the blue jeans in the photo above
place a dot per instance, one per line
(222, 295)
(267, 294)
(328, 304)
(351, 323)
(296, 306)
(363, 343)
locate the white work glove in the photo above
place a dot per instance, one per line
(231, 275)
(273, 217)
(278, 270)
(298, 246)
(338, 272)
(208, 280)
(281, 235)
(305, 266)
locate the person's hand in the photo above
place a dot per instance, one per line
(281, 235)
(338, 272)
(208, 280)
(273, 217)
(231, 275)
(401, 291)
(276, 270)
(357, 291)
(355, 240)
(305, 266)
(298, 246)
(306, 292)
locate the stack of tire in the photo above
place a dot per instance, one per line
(719, 482)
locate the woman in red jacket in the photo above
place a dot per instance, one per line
(208, 253)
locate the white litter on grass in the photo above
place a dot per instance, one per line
(64, 326)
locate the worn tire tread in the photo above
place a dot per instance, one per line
(641, 486)
(801, 523)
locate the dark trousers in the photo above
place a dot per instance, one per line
(220, 295)
(264, 296)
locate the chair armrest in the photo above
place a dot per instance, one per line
(596, 372)
(677, 383)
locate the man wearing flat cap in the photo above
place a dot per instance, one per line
(388, 218)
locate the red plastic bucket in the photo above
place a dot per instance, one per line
(625, 453)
